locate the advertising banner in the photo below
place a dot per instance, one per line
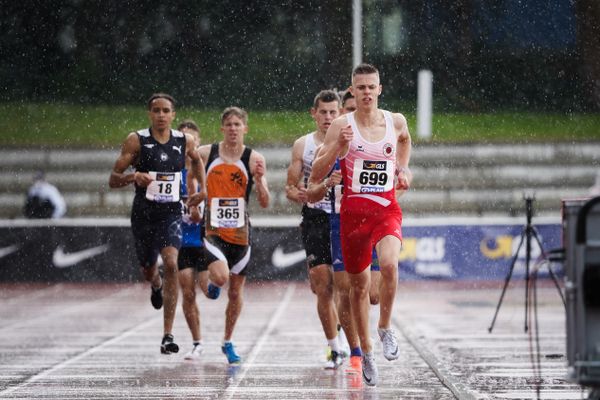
(474, 252)
(103, 251)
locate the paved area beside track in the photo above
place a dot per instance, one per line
(101, 341)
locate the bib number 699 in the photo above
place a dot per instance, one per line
(373, 178)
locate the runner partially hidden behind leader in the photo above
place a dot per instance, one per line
(192, 265)
(158, 155)
(374, 148)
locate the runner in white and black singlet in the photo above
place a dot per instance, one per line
(315, 218)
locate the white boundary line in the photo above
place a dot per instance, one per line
(231, 389)
(459, 390)
(91, 350)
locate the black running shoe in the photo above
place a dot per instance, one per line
(167, 346)
(156, 298)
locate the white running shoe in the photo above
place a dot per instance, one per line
(334, 360)
(390, 343)
(343, 342)
(194, 354)
(369, 369)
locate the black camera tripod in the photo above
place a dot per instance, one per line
(528, 232)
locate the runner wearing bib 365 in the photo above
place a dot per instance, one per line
(374, 147)
(231, 170)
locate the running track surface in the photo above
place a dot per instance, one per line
(101, 341)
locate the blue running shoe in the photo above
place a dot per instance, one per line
(229, 351)
(213, 291)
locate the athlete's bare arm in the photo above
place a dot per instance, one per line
(403, 151)
(197, 169)
(258, 169)
(204, 152)
(130, 150)
(337, 139)
(316, 191)
(294, 188)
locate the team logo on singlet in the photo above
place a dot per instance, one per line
(374, 165)
(165, 177)
(388, 150)
(237, 178)
(228, 202)
(164, 157)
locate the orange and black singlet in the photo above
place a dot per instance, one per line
(228, 188)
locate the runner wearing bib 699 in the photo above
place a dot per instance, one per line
(231, 170)
(374, 147)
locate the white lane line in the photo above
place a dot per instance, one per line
(232, 389)
(91, 350)
(459, 390)
(64, 311)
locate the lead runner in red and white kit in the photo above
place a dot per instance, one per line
(374, 148)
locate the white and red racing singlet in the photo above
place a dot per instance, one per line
(368, 168)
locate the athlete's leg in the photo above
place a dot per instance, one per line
(218, 273)
(374, 289)
(341, 282)
(218, 268)
(203, 281)
(375, 279)
(235, 303)
(151, 275)
(190, 308)
(322, 284)
(170, 286)
(388, 250)
(359, 301)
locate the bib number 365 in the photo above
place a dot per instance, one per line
(227, 212)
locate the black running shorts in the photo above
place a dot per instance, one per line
(315, 236)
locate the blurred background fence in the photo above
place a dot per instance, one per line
(484, 54)
(71, 71)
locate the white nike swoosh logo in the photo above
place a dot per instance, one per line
(60, 259)
(8, 250)
(279, 259)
